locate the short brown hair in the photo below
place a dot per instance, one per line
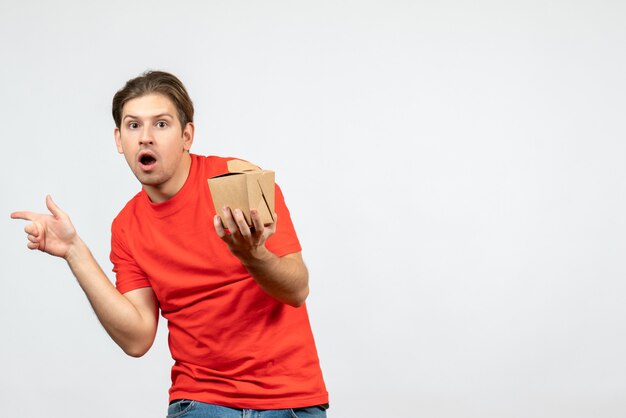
(158, 82)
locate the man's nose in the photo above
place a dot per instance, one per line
(146, 137)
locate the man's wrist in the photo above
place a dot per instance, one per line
(75, 250)
(259, 256)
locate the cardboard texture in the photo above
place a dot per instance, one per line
(245, 186)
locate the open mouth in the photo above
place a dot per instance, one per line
(147, 159)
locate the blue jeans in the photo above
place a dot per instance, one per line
(195, 409)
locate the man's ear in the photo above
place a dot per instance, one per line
(118, 140)
(188, 136)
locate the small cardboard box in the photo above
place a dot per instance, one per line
(244, 187)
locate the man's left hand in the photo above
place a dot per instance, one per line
(242, 240)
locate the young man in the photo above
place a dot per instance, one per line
(233, 295)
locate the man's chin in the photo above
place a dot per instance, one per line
(147, 179)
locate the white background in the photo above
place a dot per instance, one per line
(455, 171)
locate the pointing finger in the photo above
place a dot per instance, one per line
(27, 216)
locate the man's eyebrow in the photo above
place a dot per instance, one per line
(160, 115)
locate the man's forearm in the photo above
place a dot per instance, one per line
(285, 278)
(130, 328)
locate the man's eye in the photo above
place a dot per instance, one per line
(133, 125)
(161, 124)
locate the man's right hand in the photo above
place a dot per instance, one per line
(53, 234)
(130, 319)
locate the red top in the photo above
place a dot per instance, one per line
(233, 344)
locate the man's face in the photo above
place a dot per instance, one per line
(154, 143)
